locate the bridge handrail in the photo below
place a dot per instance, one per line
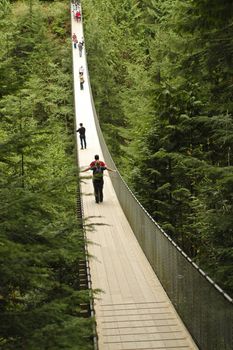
(206, 310)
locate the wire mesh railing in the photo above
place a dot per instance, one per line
(204, 308)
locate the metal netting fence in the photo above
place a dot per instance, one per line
(204, 308)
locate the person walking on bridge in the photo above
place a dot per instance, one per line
(97, 158)
(81, 70)
(82, 136)
(75, 40)
(81, 80)
(78, 15)
(98, 179)
(80, 47)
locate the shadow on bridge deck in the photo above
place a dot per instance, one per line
(132, 311)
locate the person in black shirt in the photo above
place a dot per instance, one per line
(82, 136)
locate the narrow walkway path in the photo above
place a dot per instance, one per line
(133, 311)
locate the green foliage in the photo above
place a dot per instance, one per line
(41, 243)
(112, 24)
(168, 98)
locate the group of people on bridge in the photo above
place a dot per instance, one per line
(80, 45)
(76, 9)
(97, 166)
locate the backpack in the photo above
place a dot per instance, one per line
(98, 172)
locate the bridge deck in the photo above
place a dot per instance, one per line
(132, 311)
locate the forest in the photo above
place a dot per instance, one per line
(161, 75)
(41, 241)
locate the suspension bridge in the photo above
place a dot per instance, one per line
(152, 295)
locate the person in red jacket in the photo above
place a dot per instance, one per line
(98, 181)
(78, 15)
(97, 159)
(75, 40)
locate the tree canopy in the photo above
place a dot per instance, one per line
(161, 73)
(41, 241)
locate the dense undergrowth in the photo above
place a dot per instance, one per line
(41, 241)
(161, 73)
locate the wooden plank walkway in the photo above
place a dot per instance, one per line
(133, 311)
